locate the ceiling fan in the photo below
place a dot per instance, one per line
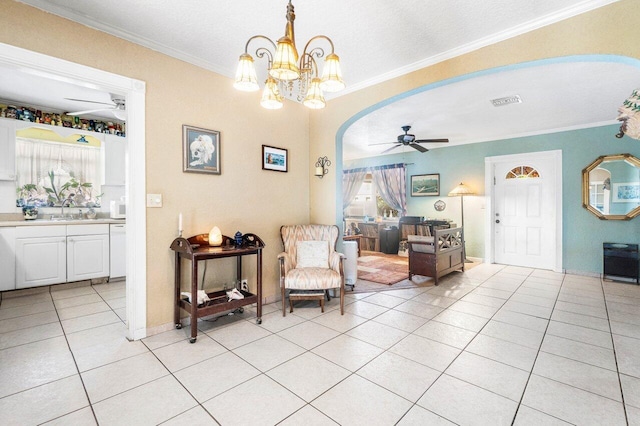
(117, 107)
(409, 140)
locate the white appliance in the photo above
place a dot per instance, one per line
(118, 250)
(350, 249)
(117, 210)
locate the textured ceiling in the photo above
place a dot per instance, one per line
(376, 40)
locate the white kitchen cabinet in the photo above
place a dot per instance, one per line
(7, 149)
(41, 255)
(115, 157)
(7, 258)
(87, 252)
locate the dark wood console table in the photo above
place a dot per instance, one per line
(196, 249)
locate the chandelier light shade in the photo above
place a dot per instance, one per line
(629, 115)
(288, 73)
(246, 79)
(332, 75)
(314, 98)
(285, 61)
(271, 98)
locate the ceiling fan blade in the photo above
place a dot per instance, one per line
(389, 149)
(89, 111)
(90, 102)
(418, 147)
(431, 140)
(381, 143)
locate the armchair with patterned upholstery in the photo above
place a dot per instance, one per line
(310, 261)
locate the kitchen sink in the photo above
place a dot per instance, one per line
(64, 217)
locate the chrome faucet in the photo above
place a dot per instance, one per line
(66, 200)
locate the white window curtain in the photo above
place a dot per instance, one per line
(390, 182)
(351, 183)
(35, 159)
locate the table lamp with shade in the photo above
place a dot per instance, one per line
(460, 191)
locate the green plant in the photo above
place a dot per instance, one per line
(27, 192)
(54, 196)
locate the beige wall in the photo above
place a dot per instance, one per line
(244, 197)
(607, 30)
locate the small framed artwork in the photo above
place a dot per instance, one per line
(626, 192)
(425, 185)
(200, 150)
(276, 159)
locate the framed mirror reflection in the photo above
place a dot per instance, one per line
(611, 187)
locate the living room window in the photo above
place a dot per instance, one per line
(369, 203)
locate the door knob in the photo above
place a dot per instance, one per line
(498, 221)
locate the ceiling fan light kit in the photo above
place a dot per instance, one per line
(408, 139)
(285, 67)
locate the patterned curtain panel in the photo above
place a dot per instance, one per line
(351, 183)
(390, 181)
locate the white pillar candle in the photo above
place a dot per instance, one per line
(180, 223)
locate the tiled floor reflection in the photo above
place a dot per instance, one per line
(494, 345)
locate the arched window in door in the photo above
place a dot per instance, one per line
(522, 172)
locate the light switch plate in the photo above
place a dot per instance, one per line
(154, 200)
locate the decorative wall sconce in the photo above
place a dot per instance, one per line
(321, 166)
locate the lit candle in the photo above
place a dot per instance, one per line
(319, 171)
(180, 223)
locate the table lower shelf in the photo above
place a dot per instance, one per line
(220, 303)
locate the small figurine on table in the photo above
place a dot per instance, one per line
(238, 238)
(354, 229)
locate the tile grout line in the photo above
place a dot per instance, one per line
(615, 356)
(524, 390)
(64, 333)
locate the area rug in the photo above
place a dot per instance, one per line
(382, 268)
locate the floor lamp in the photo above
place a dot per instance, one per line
(460, 191)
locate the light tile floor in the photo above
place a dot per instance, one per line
(495, 345)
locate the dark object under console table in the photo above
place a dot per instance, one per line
(621, 260)
(196, 249)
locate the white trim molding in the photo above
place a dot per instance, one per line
(134, 92)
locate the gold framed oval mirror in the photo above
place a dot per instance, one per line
(611, 187)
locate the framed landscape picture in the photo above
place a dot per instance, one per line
(276, 159)
(200, 150)
(425, 185)
(626, 192)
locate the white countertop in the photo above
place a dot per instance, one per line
(44, 222)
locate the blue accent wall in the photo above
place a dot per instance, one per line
(583, 233)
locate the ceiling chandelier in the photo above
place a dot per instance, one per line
(296, 76)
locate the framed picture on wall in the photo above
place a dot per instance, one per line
(276, 159)
(626, 192)
(200, 150)
(425, 185)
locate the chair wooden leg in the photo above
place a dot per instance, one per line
(284, 303)
(290, 305)
(342, 299)
(321, 301)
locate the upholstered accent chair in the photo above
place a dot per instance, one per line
(310, 261)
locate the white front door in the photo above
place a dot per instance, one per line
(526, 209)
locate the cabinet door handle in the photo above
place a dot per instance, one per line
(69, 240)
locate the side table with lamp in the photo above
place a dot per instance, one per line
(198, 248)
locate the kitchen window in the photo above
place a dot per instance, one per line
(47, 164)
